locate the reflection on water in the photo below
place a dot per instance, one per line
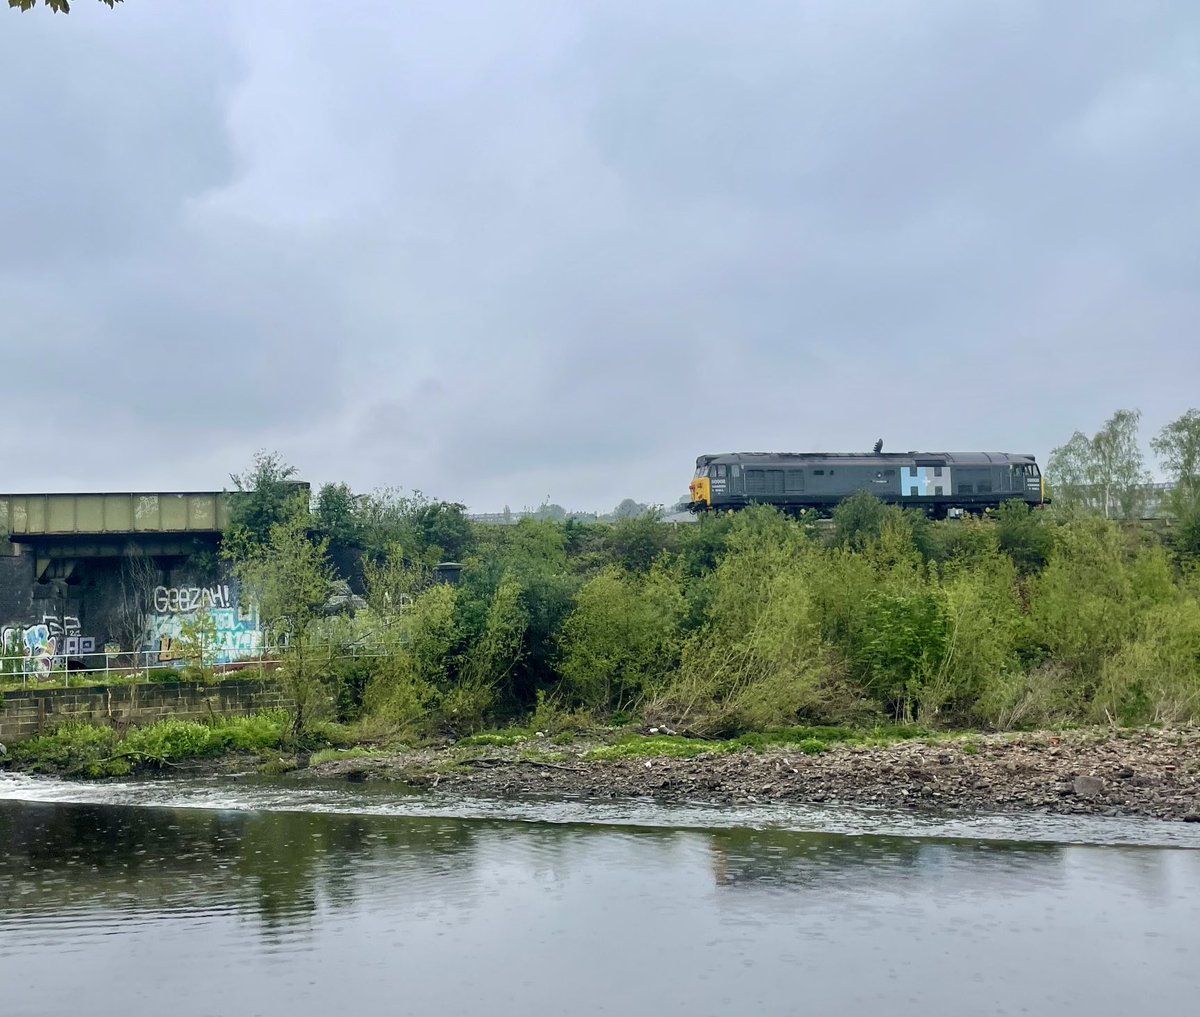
(133, 910)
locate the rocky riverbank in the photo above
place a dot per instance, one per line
(1145, 772)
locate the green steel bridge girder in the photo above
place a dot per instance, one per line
(62, 529)
(25, 516)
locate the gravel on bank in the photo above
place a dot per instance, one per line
(1143, 772)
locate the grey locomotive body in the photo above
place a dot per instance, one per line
(937, 482)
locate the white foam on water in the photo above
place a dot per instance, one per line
(254, 793)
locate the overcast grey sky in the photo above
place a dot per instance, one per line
(506, 251)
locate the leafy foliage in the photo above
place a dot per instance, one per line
(741, 623)
(79, 749)
(1105, 473)
(621, 639)
(1178, 446)
(263, 497)
(290, 578)
(58, 6)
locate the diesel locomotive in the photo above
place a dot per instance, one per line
(940, 483)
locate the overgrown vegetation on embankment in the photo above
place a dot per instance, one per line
(266, 741)
(1150, 772)
(721, 630)
(78, 749)
(735, 624)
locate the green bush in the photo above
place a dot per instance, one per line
(621, 639)
(759, 659)
(171, 739)
(74, 749)
(1155, 677)
(1024, 535)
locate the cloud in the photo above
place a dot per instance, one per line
(534, 249)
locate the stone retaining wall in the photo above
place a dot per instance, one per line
(28, 712)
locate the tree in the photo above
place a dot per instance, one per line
(1178, 447)
(550, 510)
(334, 513)
(424, 529)
(140, 574)
(58, 6)
(488, 661)
(1120, 471)
(264, 496)
(1069, 472)
(291, 579)
(630, 509)
(634, 542)
(443, 529)
(1105, 473)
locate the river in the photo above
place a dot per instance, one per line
(257, 897)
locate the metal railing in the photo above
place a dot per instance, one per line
(123, 665)
(129, 666)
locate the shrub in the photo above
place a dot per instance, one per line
(1156, 676)
(905, 648)
(860, 519)
(171, 739)
(621, 639)
(1086, 603)
(759, 659)
(1024, 535)
(74, 748)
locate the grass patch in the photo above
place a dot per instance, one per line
(500, 739)
(797, 736)
(330, 755)
(674, 746)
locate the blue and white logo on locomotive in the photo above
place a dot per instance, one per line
(924, 481)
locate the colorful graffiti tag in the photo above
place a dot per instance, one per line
(234, 625)
(45, 645)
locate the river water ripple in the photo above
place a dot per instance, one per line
(265, 897)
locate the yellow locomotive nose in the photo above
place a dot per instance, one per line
(701, 491)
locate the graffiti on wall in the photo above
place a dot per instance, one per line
(44, 645)
(232, 625)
